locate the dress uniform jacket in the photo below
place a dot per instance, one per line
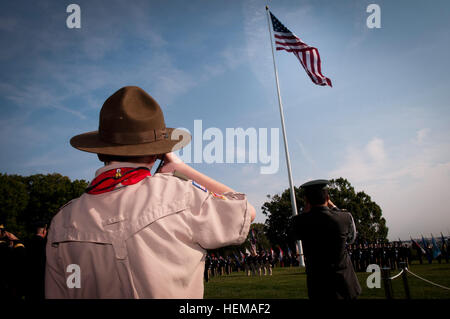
(329, 270)
(146, 240)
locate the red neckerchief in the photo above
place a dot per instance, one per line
(108, 181)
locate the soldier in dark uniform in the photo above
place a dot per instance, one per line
(214, 265)
(372, 254)
(447, 246)
(357, 255)
(228, 265)
(18, 270)
(246, 264)
(11, 271)
(36, 261)
(444, 250)
(252, 261)
(4, 257)
(384, 256)
(258, 263)
(378, 254)
(403, 253)
(221, 266)
(397, 255)
(330, 274)
(207, 272)
(364, 257)
(350, 254)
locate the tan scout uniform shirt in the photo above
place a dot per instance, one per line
(146, 240)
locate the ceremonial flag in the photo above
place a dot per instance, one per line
(242, 256)
(308, 56)
(289, 252)
(252, 237)
(237, 260)
(436, 250)
(417, 246)
(281, 253)
(424, 243)
(273, 253)
(443, 244)
(247, 251)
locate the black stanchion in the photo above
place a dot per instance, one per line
(386, 273)
(405, 280)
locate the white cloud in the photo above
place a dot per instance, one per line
(375, 149)
(422, 135)
(410, 183)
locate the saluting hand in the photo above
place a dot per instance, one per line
(171, 163)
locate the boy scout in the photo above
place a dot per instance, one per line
(329, 273)
(133, 235)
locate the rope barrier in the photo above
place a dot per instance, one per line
(426, 280)
(393, 277)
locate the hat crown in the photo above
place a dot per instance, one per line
(131, 124)
(130, 116)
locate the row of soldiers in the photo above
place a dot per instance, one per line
(260, 264)
(391, 254)
(383, 254)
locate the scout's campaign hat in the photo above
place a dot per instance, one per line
(131, 124)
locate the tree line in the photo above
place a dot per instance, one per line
(27, 200)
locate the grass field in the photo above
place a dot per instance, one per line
(291, 283)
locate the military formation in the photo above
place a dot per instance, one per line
(251, 264)
(391, 254)
(383, 254)
(388, 254)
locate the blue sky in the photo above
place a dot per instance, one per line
(384, 125)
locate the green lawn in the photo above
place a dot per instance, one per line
(291, 283)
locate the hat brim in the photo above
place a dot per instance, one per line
(91, 142)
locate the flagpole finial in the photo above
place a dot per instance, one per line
(267, 7)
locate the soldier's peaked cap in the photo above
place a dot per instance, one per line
(317, 183)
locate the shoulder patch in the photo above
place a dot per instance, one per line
(220, 196)
(203, 188)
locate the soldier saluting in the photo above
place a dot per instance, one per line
(330, 274)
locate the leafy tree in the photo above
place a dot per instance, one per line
(13, 199)
(370, 224)
(262, 242)
(26, 200)
(47, 193)
(279, 216)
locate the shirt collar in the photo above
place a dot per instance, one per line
(321, 208)
(114, 165)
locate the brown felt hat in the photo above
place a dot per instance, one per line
(131, 124)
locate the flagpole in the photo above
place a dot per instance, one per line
(288, 161)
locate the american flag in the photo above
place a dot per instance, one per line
(308, 56)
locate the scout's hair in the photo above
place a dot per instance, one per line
(316, 195)
(133, 159)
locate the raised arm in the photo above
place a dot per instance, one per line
(173, 163)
